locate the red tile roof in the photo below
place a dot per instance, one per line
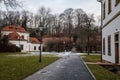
(34, 40)
(15, 36)
(14, 28)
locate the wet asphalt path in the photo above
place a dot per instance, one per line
(67, 68)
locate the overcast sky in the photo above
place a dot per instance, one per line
(58, 6)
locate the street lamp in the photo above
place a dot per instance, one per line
(41, 29)
(101, 1)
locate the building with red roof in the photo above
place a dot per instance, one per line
(14, 28)
(18, 36)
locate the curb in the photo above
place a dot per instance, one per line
(88, 69)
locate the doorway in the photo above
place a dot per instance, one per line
(116, 48)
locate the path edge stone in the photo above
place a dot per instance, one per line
(88, 69)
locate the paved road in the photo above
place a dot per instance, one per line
(68, 68)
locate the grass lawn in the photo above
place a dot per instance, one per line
(99, 72)
(17, 68)
(91, 58)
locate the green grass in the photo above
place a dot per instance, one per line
(17, 68)
(92, 58)
(102, 74)
(99, 72)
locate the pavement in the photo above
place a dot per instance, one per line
(70, 67)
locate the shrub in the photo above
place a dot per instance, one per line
(5, 46)
(58, 46)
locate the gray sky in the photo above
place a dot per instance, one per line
(58, 6)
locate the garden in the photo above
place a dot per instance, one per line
(99, 71)
(19, 67)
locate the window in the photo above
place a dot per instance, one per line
(104, 11)
(21, 46)
(109, 45)
(104, 46)
(109, 6)
(39, 48)
(117, 2)
(34, 47)
(116, 37)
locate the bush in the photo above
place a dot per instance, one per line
(58, 46)
(11, 48)
(5, 46)
(18, 49)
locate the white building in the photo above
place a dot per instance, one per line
(20, 37)
(111, 31)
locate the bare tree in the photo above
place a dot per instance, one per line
(8, 17)
(10, 3)
(27, 19)
(89, 19)
(68, 20)
(44, 14)
(79, 19)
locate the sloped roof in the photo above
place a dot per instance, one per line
(34, 40)
(15, 36)
(14, 28)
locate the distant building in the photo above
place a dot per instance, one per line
(111, 31)
(18, 36)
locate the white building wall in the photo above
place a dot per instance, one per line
(6, 32)
(26, 35)
(32, 45)
(115, 10)
(111, 29)
(24, 43)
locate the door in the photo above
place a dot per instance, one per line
(117, 48)
(116, 53)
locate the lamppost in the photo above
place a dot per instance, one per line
(101, 1)
(41, 29)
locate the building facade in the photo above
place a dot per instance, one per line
(111, 31)
(18, 36)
